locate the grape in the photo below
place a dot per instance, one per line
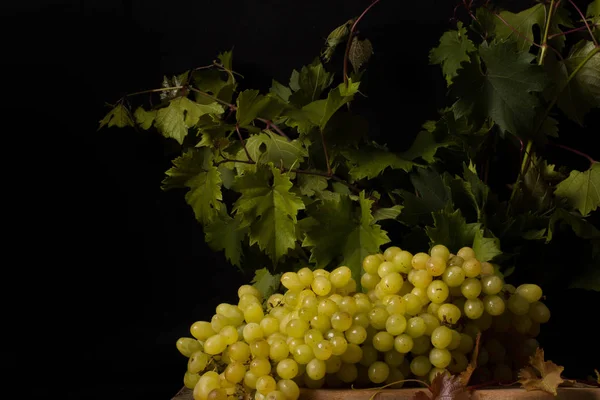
(391, 283)
(378, 372)
(320, 322)
(218, 321)
(361, 319)
(431, 322)
(472, 267)
(440, 358)
(352, 355)
(486, 268)
(316, 369)
(395, 376)
(356, 334)
(244, 301)
(432, 308)
(449, 313)
(458, 363)
(348, 305)
(530, 292)
(205, 385)
(491, 284)
(494, 304)
(230, 334)
(453, 276)
(260, 366)
(383, 341)
(251, 290)
(396, 324)
(441, 251)
(235, 372)
(403, 261)
(239, 351)
(215, 344)
(455, 261)
(466, 343)
(522, 323)
(327, 307)
(470, 288)
(395, 305)
(188, 346)
(403, 343)
(347, 373)
(420, 365)
(265, 384)
(421, 345)
(333, 364)
(275, 395)
(413, 304)
(385, 268)
(539, 312)
(202, 330)
(518, 305)
(321, 286)
(416, 327)
(473, 308)
(323, 350)
(421, 294)
(371, 263)
(320, 272)
(435, 265)
(341, 321)
(340, 276)
(295, 328)
(289, 388)
(217, 394)
(260, 348)
(419, 260)
(393, 358)
(287, 368)
(312, 337)
(441, 337)
(369, 355)
(378, 317)
(466, 253)
(420, 278)
(437, 291)
(391, 252)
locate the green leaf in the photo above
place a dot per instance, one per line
(424, 147)
(252, 105)
(336, 98)
(212, 82)
(194, 170)
(309, 83)
(485, 248)
(581, 189)
(431, 188)
(182, 113)
(451, 230)
(503, 92)
(453, 49)
(280, 90)
(266, 283)
(387, 213)
(593, 9)
(338, 36)
(536, 187)
(578, 224)
(370, 162)
(311, 185)
(360, 52)
(270, 209)
(478, 189)
(119, 116)
(144, 118)
(213, 131)
(226, 59)
(277, 149)
(344, 234)
(226, 233)
(582, 93)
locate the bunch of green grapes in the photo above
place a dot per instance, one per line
(417, 316)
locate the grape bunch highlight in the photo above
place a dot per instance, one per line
(417, 316)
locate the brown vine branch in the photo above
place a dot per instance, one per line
(574, 151)
(271, 124)
(581, 28)
(585, 22)
(351, 36)
(237, 129)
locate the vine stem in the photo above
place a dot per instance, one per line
(237, 129)
(581, 28)
(575, 151)
(585, 22)
(351, 36)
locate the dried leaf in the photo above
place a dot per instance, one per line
(541, 375)
(360, 52)
(465, 376)
(445, 387)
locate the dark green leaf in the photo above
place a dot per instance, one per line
(454, 48)
(370, 162)
(451, 230)
(387, 213)
(226, 233)
(119, 116)
(424, 147)
(578, 224)
(252, 105)
(309, 83)
(581, 189)
(280, 90)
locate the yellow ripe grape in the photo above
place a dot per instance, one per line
(202, 330)
(339, 345)
(348, 289)
(391, 283)
(291, 281)
(197, 362)
(215, 344)
(419, 260)
(218, 322)
(320, 272)
(230, 334)
(287, 369)
(289, 388)
(303, 354)
(413, 304)
(348, 304)
(437, 291)
(466, 253)
(260, 366)
(323, 350)
(247, 299)
(352, 355)
(347, 373)
(249, 289)
(402, 261)
(391, 252)
(454, 276)
(449, 313)
(471, 288)
(472, 267)
(340, 276)
(371, 263)
(383, 341)
(269, 325)
(190, 380)
(294, 342)
(278, 349)
(528, 291)
(379, 293)
(420, 278)
(327, 307)
(305, 275)
(378, 317)
(252, 331)
(320, 322)
(431, 322)
(437, 371)
(312, 337)
(296, 328)
(254, 313)
(321, 286)
(487, 268)
(369, 281)
(356, 334)
(432, 308)
(539, 312)
(341, 321)
(421, 294)
(403, 343)
(435, 265)
(260, 348)
(439, 250)
(274, 395)
(494, 304)
(363, 304)
(265, 384)
(361, 319)
(333, 364)
(239, 351)
(274, 300)
(336, 298)
(385, 268)
(205, 385)
(394, 304)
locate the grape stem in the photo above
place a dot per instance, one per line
(351, 36)
(575, 151)
(585, 22)
(237, 129)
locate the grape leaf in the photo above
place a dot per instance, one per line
(336, 98)
(278, 150)
(269, 208)
(194, 170)
(451, 230)
(311, 185)
(452, 51)
(343, 233)
(119, 116)
(485, 248)
(503, 92)
(252, 105)
(213, 131)
(182, 113)
(280, 90)
(582, 92)
(266, 283)
(593, 9)
(226, 233)
(540, 374)
(144, 118)
(226, 59)
(360, 52)
(424, 147)
(581, 189)
(370, 162)
(336, 37)
(309, 83)
(433, 195)
(580, 226)
(387, 213)
(445, 387)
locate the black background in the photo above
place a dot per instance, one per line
(122, 266)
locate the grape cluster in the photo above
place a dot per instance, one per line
(417, 316)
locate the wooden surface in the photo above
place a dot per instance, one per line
(408, 394)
